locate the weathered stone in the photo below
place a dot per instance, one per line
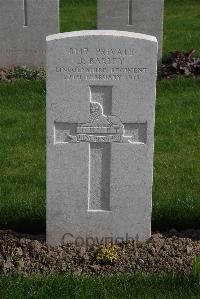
(100, 134)
(24, 25)
(143, 16)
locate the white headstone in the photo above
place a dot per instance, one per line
(24, 25)
(143, 16)
(101, 89)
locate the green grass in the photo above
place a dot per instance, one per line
(176, 191)
(181, 22)
(176, 168)
(126, 286)
(181, 25)
(77, 15)
(22, 155)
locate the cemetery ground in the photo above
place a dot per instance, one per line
(176, 191)
(139, 286)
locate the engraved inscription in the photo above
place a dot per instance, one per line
(67, 133)
(114, 64)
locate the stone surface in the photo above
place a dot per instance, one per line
(101, 89)
(24, 25)
(143, 16)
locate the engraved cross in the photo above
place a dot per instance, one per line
(100, 131)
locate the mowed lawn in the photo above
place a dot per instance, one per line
(22, 156)
(139, 286)
(176, 202)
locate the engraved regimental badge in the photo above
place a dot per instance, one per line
(99, 128)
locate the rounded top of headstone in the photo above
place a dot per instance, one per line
(101, 33)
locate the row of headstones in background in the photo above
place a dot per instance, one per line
(100, 134)
(24, 25)
(142, 16)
